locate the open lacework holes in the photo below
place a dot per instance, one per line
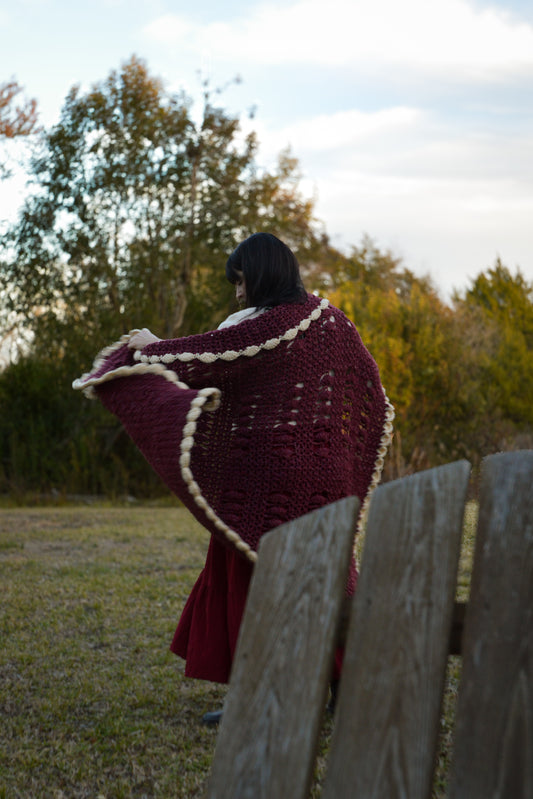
(204, 433)
(346, 417)
(284, 428)
(322, 417)
(328, 320)
(243, 424)
(368, 399)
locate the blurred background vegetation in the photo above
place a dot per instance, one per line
(134, 202)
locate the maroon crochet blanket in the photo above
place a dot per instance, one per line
(256, 424)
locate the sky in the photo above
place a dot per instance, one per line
(412, 121)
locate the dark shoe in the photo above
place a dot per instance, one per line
(333, 691)
(212, 719)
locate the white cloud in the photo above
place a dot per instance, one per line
(439, 197)
(171, 29)
(343, 129)
(434, 35)
(453, 230)
(399, 142)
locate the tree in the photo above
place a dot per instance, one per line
(136, 208)
(418, 342)
(16, 121)
(20, 120)
(501, 305)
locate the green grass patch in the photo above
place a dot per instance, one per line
(92, 702)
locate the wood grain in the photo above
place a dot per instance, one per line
(494, 734)
(455, 645)
(387, 720)
(267, 742)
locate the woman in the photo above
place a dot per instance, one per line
(276, 413)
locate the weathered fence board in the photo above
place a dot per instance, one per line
(267, 741)
(493, 750)
(398, 638)
(388, 712)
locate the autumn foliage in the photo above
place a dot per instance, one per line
(137, 200)
(16, 119)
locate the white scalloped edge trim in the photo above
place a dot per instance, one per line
(87, 383)
(384, 444)
(232, 355)
(207, 399)
(187, 443)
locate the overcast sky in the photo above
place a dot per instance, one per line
(412, 121)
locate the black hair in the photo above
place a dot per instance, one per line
(270, 270)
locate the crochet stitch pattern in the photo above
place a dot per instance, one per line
(255, 424)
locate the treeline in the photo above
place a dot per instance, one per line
(136, 203)
(460, 376)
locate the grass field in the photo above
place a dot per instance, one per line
(92, 703)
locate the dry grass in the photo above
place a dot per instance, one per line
(453, 675)
(92, 702)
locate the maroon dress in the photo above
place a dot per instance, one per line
(207, 632)
(206, 636)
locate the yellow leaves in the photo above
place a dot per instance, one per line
(460, 377)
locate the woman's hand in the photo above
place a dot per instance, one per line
(141, 339)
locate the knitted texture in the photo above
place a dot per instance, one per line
(255, 424)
